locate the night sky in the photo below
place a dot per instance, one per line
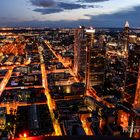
(69, 13)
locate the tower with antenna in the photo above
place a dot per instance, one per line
(126, 37)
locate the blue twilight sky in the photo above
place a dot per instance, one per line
(69, 13)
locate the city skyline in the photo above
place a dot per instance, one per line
(63, 13)
(79, 82)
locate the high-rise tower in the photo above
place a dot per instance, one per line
(136, 118)
(88, 57)
(89, 45)
(126, 37)
(137, 94)
(79, 50)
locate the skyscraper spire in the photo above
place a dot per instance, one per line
(126, 24)
(126, 36)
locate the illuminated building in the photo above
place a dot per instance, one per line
(79, 51)
(126, 35)
(2, 118)
(96, 60)
(132, 64)
(88, 57)
(137, 95)
(137, 105)
(122, 74)
(122, 64)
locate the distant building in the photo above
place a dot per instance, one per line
(2, 117)
(122, 61)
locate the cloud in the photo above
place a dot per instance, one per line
(92, 1)
(48, 11)
(70, 6)
(43, 3)
(61, 6)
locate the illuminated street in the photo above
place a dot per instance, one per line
(5, 80)
(68, 82)
(51, 103)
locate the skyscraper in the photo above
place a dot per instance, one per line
(122, 64)
(79, 51)
(89, 56)
(137, 94)
(126, 36)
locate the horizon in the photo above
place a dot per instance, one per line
(43, 27)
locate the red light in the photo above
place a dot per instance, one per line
(24, 135)
(20, 135)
